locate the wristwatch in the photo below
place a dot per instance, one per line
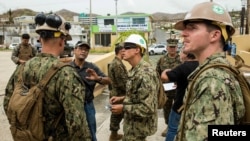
(99, 79)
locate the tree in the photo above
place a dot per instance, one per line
(10, 16)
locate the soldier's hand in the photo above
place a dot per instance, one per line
(21, 61)
(164, 77)
(116, 108)
(116, 99)
(113, 99)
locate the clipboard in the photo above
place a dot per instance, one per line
(169, 86)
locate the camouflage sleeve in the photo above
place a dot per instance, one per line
(14, 55)
(158, 66)
(119, 76)
(111, 75)
(34, 51)
(145, 92)
(71, 95)
(8, 93)
(10, 88)
(214, 99)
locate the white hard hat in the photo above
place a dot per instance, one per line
(136, 39)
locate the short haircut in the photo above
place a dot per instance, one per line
(25, 36)
(118, 47)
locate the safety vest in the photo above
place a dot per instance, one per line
(25, 52)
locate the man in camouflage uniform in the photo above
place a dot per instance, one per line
(24, 51)
(216, 97)
(168, 61)
(118, 74)
(65, 92)
(140, 103)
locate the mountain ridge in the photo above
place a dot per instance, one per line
(68, 15)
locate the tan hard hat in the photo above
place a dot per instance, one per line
(212, 12)
(63, 26)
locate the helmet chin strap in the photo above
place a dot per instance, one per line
(142, 50)
(223, 30)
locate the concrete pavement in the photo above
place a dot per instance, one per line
(103, 120)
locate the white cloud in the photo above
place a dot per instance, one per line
(131, 3)
(108, 6)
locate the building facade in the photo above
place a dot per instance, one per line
(25, 24)
(108, 28)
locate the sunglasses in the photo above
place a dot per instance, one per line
(129, 47)
(172, 46)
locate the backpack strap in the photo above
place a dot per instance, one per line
(230, 69)
(20, 76)
(50, 73)
(239, 62)
(53, 127)
(162, 97)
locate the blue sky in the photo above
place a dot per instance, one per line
(104, 7)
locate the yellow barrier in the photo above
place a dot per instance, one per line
(243, 48)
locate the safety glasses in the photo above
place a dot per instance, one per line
(129, 47)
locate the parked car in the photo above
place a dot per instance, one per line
(157, 49)
(68, 49)
(13, 45)
(38, 47)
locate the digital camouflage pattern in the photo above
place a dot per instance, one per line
(23, 52)
(140, 103)
(166, 62)
(163, 63)
(64, 92)
(216, 100)
(118, 74)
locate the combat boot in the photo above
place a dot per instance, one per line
(164, 132)
(115, 136)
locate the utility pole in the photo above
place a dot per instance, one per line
(116, 18)
(245, 14)
(248, 17)
(90, 23)
(242, 20)
(3, 34)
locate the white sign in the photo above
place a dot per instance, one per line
(105, 28)
(124, 27)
